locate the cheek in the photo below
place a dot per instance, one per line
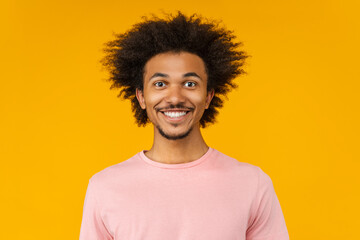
(152, 99)
(199, 100)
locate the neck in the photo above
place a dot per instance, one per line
(184, 150)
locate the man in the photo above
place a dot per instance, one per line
(175, 71)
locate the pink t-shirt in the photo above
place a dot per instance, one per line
(214, 197)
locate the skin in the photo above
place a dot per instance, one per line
(175, 82)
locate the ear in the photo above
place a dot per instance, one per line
(140, 98)
(209, 97)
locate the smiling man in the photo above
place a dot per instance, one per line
(175, 97)
(175, 71)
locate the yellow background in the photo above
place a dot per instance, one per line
(295, 114)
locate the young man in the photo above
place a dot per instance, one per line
(174, 71)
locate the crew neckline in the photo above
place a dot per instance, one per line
(176, 165)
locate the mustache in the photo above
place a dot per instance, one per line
(172, 106)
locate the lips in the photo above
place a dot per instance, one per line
(175, 115)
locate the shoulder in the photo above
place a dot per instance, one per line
(115, 172)
(244, 168)
(236, 163)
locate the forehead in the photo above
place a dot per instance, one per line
(171, 62)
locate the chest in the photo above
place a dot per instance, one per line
(182, 209)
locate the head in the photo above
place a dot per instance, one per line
(175, 93)
(128, 55)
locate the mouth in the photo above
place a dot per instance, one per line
(175, 115)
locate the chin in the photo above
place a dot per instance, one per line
(176, 136)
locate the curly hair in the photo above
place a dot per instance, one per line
(127, 55)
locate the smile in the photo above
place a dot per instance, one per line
(175, 116)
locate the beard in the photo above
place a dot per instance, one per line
(174, 137)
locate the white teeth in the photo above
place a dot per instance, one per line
(174, 114)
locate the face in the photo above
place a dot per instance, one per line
(175, 93)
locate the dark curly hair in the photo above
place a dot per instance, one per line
(127, 55)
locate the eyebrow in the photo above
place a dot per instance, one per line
(189, 74)
(192, 74)
(159, 75)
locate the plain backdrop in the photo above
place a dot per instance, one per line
(295, 114)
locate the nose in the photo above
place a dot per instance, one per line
(175, 95)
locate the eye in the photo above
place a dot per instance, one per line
(190, 84)
(159, 84)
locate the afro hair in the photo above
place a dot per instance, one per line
(126, 56)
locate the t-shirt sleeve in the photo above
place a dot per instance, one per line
(266, 218)
(92, 225)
